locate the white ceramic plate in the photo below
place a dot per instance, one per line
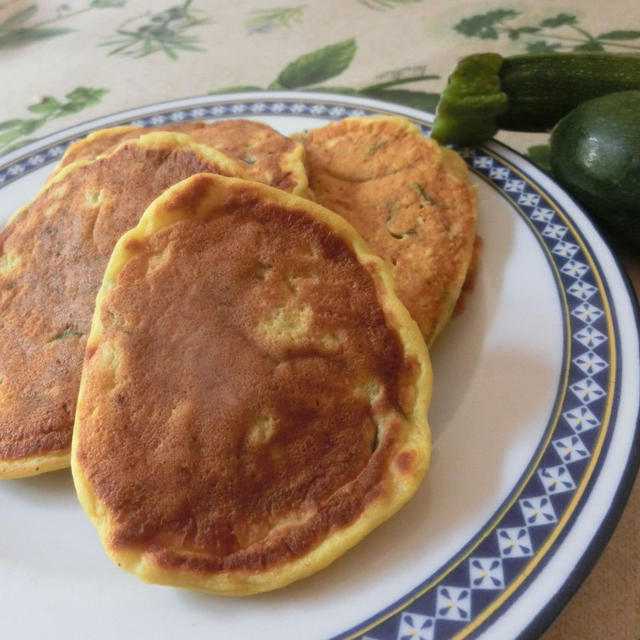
(534, 419)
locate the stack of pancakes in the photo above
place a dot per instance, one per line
(223, 330)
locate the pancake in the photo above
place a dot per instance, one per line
(52, 257)
(264, 154)
(254, 395)
(409, 198)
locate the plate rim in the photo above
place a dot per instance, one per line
(609, 520)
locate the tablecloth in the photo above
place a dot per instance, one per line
(62, 63)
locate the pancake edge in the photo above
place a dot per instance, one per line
(35, 465)
(295, 163)
(82, 142)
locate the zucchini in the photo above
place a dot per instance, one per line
(531, 92)
(595, 155)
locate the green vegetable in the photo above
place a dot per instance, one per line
(595, 155)
(471, 101)
(487, 92)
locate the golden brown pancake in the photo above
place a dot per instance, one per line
(254, 395)
(264, 154)
(52, 257)
(408, 197)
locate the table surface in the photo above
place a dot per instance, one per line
(62, 63)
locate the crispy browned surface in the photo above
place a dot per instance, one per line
(405, 198)
(104, 140)
(266, 155)
(53, 255)
(246, 393)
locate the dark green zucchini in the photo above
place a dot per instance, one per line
(595, 155)
(487, 92)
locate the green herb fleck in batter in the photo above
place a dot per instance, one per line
(404, 234)
(423, 194)
(374, 147)
(65, 333)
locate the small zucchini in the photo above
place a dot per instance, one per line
(487, 92)
(595, 155)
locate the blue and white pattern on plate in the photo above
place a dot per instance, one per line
(460, 599)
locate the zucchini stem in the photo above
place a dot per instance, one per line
(530, 92)
(471, 101)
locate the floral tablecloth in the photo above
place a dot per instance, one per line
(62, 63)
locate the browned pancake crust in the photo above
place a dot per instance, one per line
(246, 394)
(53, 255)
(268, 156)
(265, 154)
(102, 141)
(408, 197)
